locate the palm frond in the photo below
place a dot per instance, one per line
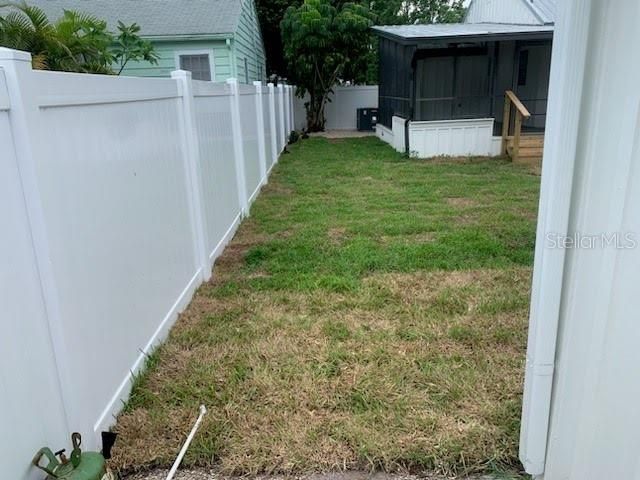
(77, 42)
(37, 17)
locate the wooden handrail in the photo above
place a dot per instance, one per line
(517, 103)
(510, 98)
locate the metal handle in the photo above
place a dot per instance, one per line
(51, 466)
(76, 454)
(76, 439)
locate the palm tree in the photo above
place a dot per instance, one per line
(27, 28)
(85, 44)
(77, 42)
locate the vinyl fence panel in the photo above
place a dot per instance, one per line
(249, 122)
(115, 199)
(341, 110)
(279, 118)
(266, 110)
(116, 196)
(215, 140)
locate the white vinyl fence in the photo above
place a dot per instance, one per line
(116, 196)
(340, 112)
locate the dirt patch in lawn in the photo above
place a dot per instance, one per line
(337, 235)
(461, 202)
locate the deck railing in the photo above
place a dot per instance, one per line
(510, 99)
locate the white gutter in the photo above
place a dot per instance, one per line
(560, 148)
(188, 37)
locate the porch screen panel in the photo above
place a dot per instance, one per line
(472, 87)
(454, 86)
(434, 88)
(395, 81)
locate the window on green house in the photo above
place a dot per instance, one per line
(198, 64)
(246, 70)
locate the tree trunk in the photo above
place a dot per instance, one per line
(315, 112)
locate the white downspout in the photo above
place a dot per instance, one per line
(563, 122)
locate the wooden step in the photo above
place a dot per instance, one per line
(528, 140)
(530, 151)
(526, 151)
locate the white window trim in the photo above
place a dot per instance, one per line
(195, 51)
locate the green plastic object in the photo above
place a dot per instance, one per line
(81, 465)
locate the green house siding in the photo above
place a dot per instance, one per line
(230, 54)
(167, 51)
(247, 44)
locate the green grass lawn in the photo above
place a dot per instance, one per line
(370, 313)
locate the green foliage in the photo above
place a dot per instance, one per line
(87, 41)
(270, 13)
(402, 12)
(325, 41)
(384, 12)
(294, 136)
(77, 42)
(129, 46)
(322, 44)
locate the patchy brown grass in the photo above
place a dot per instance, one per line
(416, 371)
(327, 343)
(461, 202)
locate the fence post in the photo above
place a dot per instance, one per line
(291, 103)
(289, 109)
(261, 137)
(191, 152)
(287, 123)
(282, 127)
(24, 112)
(272, 119)
(238, 147)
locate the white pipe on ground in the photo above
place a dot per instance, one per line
(185, 447)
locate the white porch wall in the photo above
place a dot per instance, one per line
(451, 137)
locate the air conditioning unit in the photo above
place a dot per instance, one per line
(367, 119)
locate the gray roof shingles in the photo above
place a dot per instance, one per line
(157, 18)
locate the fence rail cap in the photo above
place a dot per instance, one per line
(180, 74)
(11, 54)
